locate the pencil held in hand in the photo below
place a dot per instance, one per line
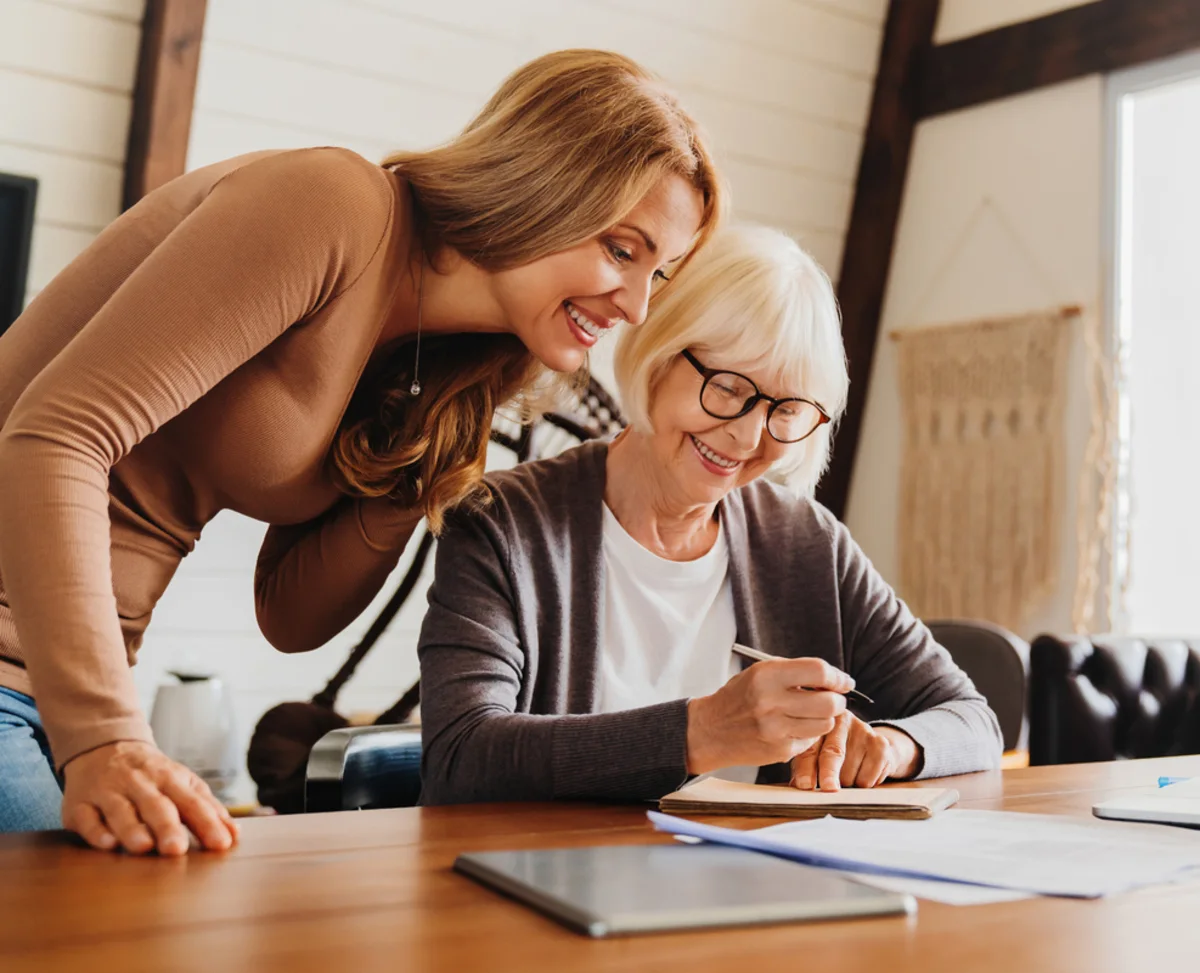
(753, 654)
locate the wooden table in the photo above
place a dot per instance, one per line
(373, 891)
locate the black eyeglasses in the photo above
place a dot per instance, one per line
(728, 395)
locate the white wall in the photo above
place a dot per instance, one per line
(66, 75)
(783, 86)
(1038, 157)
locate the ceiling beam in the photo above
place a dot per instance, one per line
(866, 257)
(163, 95)
(1095, 38)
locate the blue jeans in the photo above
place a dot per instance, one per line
(30, 794)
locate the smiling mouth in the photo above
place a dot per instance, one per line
(723, 463)
(585, 323)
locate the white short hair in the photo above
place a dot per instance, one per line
(750, 296)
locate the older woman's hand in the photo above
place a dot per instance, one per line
(855, 754)
(762, 716)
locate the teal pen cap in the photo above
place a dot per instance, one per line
(1167, 781)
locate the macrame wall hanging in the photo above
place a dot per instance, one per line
(984, 473)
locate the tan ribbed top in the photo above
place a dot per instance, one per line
(198, 356)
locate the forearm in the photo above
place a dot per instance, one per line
(315, 579)
(56, 564)
(636, 755)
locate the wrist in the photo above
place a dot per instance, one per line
(905, 750)
(104, 752)
(701, 757)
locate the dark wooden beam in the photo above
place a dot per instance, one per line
(867, 256)
(1094, 38)
(163, 95)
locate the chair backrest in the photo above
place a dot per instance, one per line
(592, 414)
(998, 663)
(1104, 697)
(361, 767)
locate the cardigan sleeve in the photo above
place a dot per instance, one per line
(895, 660)
(474, 662)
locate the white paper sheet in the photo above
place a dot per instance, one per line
(959, 893)
(1045, 854)
(949, 893)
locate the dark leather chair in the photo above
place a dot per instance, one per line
(998, 663)
(356, 768)
(1106, 697)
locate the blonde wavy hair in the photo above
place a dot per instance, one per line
(754, 300)
(567, 146)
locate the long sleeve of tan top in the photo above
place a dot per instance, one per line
(271, 243)
(314, 579)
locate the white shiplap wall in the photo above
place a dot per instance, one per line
(782, 85)
(66, 75)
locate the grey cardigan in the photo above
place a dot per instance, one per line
(510, 645)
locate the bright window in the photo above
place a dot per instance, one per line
(1156, 314)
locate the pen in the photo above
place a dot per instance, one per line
(748, 653)
(1168, 781)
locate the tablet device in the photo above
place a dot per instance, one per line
(1177, 803)
(623, 889)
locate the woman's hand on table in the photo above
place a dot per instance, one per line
(761, 716)
(131, 796)
(855, 754)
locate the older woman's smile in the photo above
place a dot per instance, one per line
(718, 463)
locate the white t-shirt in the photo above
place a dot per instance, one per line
(668, 625)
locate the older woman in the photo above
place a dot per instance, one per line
(578, 642)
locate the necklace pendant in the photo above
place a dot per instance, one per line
(415, 388)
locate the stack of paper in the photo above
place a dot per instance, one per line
(1045, 854)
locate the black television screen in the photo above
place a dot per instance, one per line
(18, 194)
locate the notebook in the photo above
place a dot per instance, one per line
(711, 795)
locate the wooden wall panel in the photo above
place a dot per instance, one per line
(1094, 38)
(866, 257)
(163, 96)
